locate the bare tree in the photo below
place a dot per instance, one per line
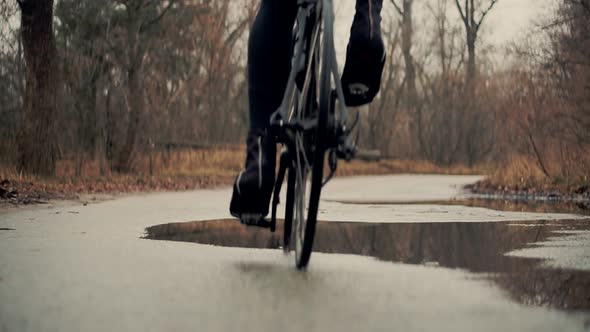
(382, 115)
(37, 150)
(135, 72)
(80, 43)
(444, 110)
(570, 64)
(134, 22)
(468, 12)
(407, 32)
(412, 104)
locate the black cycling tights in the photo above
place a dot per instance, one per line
(269, 51)
(269, 58)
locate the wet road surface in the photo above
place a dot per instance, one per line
(413, 267)
(477, 247)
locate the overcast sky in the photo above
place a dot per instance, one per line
(512, 18)
(508, 21)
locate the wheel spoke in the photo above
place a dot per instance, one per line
(300, 191)
(307, 146)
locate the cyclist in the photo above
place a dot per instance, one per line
(269, 57)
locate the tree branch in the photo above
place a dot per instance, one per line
(155, 20)
(463, 17)
(471, 13)
(485, 13)
(397, 8)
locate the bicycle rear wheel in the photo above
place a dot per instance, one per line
(310, 147)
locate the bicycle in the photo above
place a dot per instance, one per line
(310, 123)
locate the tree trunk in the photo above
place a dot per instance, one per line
(472, 25)
(411, 96)
(134, 96)
(109, 127)
(135, 99)
(407, 40)
(471, 64)
(37, 147)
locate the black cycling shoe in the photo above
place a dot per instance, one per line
(365, 55)
(254, 184)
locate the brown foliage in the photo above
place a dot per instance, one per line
(139, 75)
(547, 113)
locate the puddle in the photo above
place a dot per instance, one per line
(582, 207)
(477, 247)
(547, 206)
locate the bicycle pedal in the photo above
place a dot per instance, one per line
(254, 219)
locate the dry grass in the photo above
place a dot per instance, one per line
(394, 166)
(180, 170)
(522, 174)
(185, 162)
(208, 168)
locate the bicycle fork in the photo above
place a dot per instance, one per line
(283, 166)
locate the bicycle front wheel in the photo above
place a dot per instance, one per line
(310, 147)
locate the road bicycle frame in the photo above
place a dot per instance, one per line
(313, 30)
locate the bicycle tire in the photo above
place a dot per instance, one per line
(289, 206)
(304, 245)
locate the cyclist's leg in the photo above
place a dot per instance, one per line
(365, 55)
(269, 57)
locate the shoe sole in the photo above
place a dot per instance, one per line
(253, 219)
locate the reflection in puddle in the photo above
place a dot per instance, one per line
(582, 207)
(477, 247)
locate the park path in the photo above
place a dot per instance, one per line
(86, 268)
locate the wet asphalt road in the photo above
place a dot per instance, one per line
(86, 268)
